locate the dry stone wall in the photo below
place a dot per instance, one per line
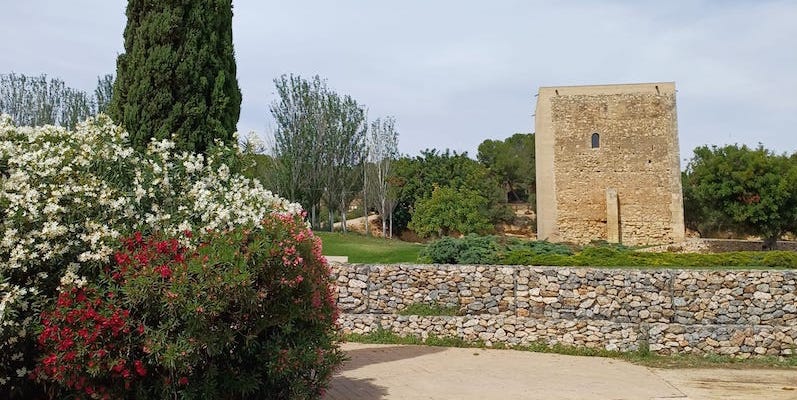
(739, 313)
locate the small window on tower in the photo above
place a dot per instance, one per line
(596, 140)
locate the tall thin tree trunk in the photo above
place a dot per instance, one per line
(331, 220)
(343, 223)
(365, 201)
(313, 221)
(391, 224)
(384, 220)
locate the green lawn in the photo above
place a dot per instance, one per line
(362, 249)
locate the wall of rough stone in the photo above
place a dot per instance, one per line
(739, 313)
(637, 156)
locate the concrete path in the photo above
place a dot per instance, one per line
(418, 372)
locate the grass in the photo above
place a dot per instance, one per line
(432, 310)
(365, 249)
(383, 336)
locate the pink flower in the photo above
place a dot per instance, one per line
(164, 270)
(140, 368)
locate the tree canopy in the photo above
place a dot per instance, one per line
(448, 211)
(511, 161)
(39, 100)
(177, 75)
(752, 191)
(319, 144)
(416, 178)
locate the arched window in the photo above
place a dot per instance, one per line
(596, 140)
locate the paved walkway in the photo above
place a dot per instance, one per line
(377, 372)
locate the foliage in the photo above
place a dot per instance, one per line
(475, 249)
(445, 250)
(178, 74)
(470, 249)
(318, 145)
(511, 161)
(416, 178)
(250, 313)
(38, 100)
(425, 309)
(752, 191)
(90, 343)
(617, 257)
(66, 197)
(362, 249)
(103, 94)
(382, 151)
(448, 211)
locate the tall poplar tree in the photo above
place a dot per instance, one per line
(177, 75)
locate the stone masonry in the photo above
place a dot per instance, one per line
(739, 313)
(607, 164)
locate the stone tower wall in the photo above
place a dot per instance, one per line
(637, 159)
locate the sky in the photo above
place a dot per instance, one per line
(454, 73)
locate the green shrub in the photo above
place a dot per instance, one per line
(539, 247)
(442, 251)
(603, 256)
(530, 257)
(449, 210)
(470, 249)
(475, 249)
(479, 250)
(780, 259)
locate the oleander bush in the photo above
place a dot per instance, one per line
(67, 198)
(248, 314)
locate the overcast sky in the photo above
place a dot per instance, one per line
(455, 73)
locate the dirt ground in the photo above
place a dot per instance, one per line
(419, 372)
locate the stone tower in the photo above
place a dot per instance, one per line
(608, 166)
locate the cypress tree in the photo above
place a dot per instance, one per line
(177, 75)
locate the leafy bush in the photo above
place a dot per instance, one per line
(475, 249)
(617, 257)
(780, 259)
(449, 210)
(248, 314)
(66, 197)
(471, 249)
(445, 250)
(541, 247)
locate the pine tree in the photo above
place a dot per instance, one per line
(177, 75)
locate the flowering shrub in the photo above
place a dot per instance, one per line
(91, 344)
(247, 314)
(66, 197)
